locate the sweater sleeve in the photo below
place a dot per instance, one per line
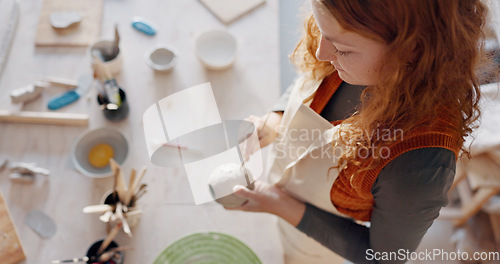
(408, 194)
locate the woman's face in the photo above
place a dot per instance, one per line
(356, 58)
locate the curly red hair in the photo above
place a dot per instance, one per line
(436, 49)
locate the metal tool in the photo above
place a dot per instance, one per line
(69, 97)
(74, 260)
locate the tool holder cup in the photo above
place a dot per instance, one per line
(131, 217)
(94, 248)
(114, 114)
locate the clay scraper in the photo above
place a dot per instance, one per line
(84, 83)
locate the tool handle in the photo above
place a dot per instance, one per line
(63, 100)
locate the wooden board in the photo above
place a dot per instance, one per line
(483, 171)
(81, 34)
(11, 250)
(229, 10)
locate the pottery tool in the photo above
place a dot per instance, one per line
(252, 145)
(116, 43)
(229, 10)
(130, 191)
(138, 181)
(9, 11)
(54, 81)
(115, 169)
(12, 251)
(74, 260)
(87, 31)
(111, 89)
(143, 25)
(109, 238)
(41, 223)
(27, 93)
(23, 172)
(27, 168)
(84, 84)
(137, 196)
(106, 217)
(44, 118)
(119, 214)
(99, 208)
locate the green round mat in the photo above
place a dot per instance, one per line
(207, 248)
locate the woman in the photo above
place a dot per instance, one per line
(366, 146)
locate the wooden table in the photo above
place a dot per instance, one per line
(251, 86)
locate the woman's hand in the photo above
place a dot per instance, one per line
(267, 131)
(270, 199)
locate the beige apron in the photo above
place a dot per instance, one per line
(300, 160)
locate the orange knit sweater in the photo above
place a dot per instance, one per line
(352, 195)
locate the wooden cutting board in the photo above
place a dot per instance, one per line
(229, 10)
(11, 250)
(82, 34)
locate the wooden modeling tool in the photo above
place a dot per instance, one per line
(130, 186)
(44, 118)
(109, 238)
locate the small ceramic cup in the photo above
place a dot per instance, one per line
(161, 58)
(112, 113)
(112, 61)
(216, 49)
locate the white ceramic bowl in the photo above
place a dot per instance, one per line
(86, 141)
(216, 49)
(161, 58)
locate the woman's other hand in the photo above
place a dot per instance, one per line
(270, 199)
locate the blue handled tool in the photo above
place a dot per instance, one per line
(84, 83)
(144, 26)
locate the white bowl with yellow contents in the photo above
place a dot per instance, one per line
(93, 149)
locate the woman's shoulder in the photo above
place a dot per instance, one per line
(420, 166)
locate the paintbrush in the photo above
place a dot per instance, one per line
(136, 196)
(75, 260)
(109, 238)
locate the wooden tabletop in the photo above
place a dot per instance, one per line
(251, 86)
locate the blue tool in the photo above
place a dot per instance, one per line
(69, 97)
(144, 26)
